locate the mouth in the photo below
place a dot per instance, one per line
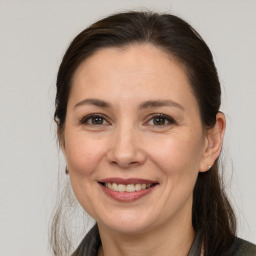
(127, 189)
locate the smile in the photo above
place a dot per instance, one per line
(127, 190)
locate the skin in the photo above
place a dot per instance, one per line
(129, 143)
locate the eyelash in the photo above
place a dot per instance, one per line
(164, 117)
(85, 119)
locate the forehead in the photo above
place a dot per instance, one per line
(132, 57)
(141, 70)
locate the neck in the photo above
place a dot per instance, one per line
(165, 240)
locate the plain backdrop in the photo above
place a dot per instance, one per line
(33, 39)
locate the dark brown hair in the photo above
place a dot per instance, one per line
(211, 213)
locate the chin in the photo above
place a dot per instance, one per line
(127, 223)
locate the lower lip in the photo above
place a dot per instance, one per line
(127, 196)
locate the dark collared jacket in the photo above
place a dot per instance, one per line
(91, 243)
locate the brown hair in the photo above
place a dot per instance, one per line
(211, 213)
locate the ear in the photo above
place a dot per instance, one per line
(213, 143)
(61, 139)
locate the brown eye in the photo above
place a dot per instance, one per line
(94, 120)
(161, 120)
(97, 120)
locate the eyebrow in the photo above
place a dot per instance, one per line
(160, 103)
(143, 105)
(95, 102)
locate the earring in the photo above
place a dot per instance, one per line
(209, 167)
(66, 170)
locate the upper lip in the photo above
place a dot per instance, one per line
(127, 181)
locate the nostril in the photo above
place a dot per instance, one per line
(125, 164)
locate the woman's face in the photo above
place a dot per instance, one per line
(133, 139)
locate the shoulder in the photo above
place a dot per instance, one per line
(90, 244)
(243, 248)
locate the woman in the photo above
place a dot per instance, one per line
(137, 111)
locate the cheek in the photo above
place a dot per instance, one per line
(178, 158)
(83, 155)
(176, 155)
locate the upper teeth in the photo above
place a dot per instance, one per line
(127, 188)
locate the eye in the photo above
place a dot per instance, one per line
(94, 119)
(161, 120)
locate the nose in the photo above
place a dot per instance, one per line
(126, 149)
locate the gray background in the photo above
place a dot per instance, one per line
(33, 38)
